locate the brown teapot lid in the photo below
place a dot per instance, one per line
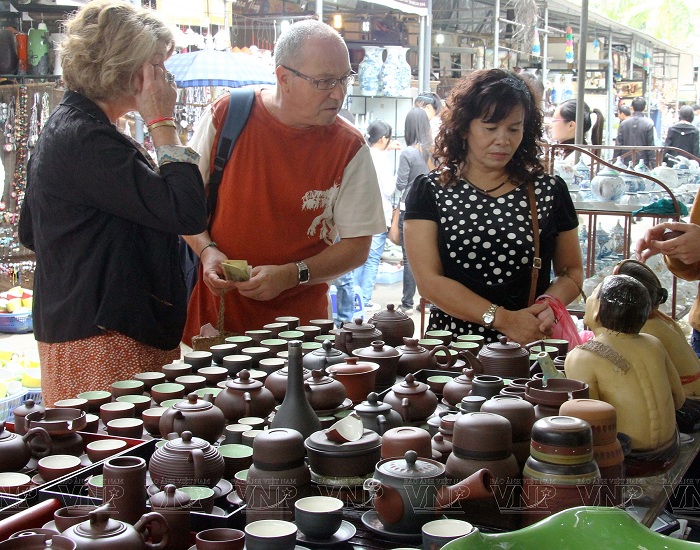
(409, 385)
(504, 348)
(358, 325)
(376, 349)
(410, 345)
(28, 406)
(327, 350)
(186, 442)
(170, 497)
(410, 467)
(466, 377)
(319, 441)
(318, 378)
(390, 314)
(193, 403)
(4, 434)
(244, 382)
(372, 405)
(100, 524)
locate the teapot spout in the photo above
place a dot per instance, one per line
(386, 500)
(474, 363)
(477, 485)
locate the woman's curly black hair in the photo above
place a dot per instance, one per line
(489, 95)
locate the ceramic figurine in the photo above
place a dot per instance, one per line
(629, 370)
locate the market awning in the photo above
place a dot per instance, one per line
(419, 7)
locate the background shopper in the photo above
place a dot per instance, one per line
(109, 295)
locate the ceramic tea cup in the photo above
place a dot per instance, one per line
(167, 390)
(240, 480)
(92, 423)
(150, 379)
(201, 498)
(270, 534)
(259, 335)
(219, 351)
(14, 483)
(292, 322)
(213, 375)
(141, 402)
(95, 399)
(445, 336)
(191, 382)
(72, 515)
(233, 433)
(104, 448)
(126, 427)
(95, 485)
(126, 387)
(318, 517)
(222, 538)
(55, 466)
(236, 363)
(236, 457)
(248, 437)
(173, 370)
(346, 429)
(116, 409)
(151, 420)
(437, 383)
(255, 422)
(439, 532)
(198, 359)
(75, 403)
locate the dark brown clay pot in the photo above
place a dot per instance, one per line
(244, 396)
(414, 357)
(359, 378)
(15, 451)
(557, 391)
(323, 392)
(413, 400)
(355, 335)
(377, 415)
(353, 459)
(199, 416)
(323, 357)
(482, 436)
(601, 416)
(562, 440)
(124, 487)
(487, 385)
(186, 460)
(505, 359)
(458, 387)
(174, 506)
(520, 414)
(397, 441)
(384, 355)
(276, 382)
(22, 411)
(395, 325)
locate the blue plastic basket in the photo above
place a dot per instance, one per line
(10, 403)
(16, 323)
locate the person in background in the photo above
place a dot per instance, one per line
(431, 103)
(624, 112)
(638, 131)
(682, 135)
(102, 218)
(414, 161)
(378, 138)
(469, 229)
(563, 126)
(299, 177)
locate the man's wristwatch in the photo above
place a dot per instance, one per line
(304, 274)
(490, 316)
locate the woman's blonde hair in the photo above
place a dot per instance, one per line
(107, 44)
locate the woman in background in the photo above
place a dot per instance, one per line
(415, 161)
(109, 293)
(563, 127)
(378, 138)
(431, 103)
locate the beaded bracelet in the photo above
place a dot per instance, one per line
(207, 246)
(155, 125)
(159, 119)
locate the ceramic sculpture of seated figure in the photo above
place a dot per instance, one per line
(665, 328)
(629, 370)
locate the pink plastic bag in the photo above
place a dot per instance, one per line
(564, 328)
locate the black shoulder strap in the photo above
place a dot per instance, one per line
(240, 103)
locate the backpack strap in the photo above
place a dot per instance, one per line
(240, 103)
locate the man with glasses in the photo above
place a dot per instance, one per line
(298, 178)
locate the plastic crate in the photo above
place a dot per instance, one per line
(16, 323)
(9, 403)
(34, 394)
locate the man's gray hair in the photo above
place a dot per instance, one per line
(290, 44)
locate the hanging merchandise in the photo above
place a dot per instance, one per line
(19, 181)
(536, 44)
(569, 53)
(596, 46)
(647, 61)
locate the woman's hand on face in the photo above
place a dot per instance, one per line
(156, 97)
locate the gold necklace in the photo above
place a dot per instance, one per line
(487, 191)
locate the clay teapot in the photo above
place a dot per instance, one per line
(323, 392)
(415, 357)
(199, 416)
(413, 400)
(408, 492)
(458, 387)
(19, 413)
(377, 415)
(276, 381)
(503, 358)
(386, 356)
(101, 532)
(186, 460)
(322, 357)
(244, 396)
(356, 334)
(394, 324)
(15, 451)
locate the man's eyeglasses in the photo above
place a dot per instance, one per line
(326, 83)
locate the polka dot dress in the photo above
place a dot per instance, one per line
(486, 243)
(70, 368)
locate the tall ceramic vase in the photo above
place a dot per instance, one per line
(39, 50)
(295, 411)
(369, 70)
(124, 486)
(395, 76)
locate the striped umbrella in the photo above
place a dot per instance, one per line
(219, 68)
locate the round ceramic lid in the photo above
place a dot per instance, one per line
(4, 434)
(170, 497)
(504, 346)
(327, 350)
(410, 466)
(244, 382)
(357, 325)
(193, 403)
(390, 314)
(409, 385)
(376, 349)
(100, 525)
(320, 442)
(317, 378)
(186, 442)
(373, 405)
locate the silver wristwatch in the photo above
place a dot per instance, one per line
(304, 274)
(490, 316)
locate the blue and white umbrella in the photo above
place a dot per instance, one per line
(219, 68)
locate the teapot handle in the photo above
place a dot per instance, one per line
(405, 409)
(145, 519)
(178, 422)
(381, 422)
(197, 457)
(42, 434)
(449, 359)
(247, 400)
